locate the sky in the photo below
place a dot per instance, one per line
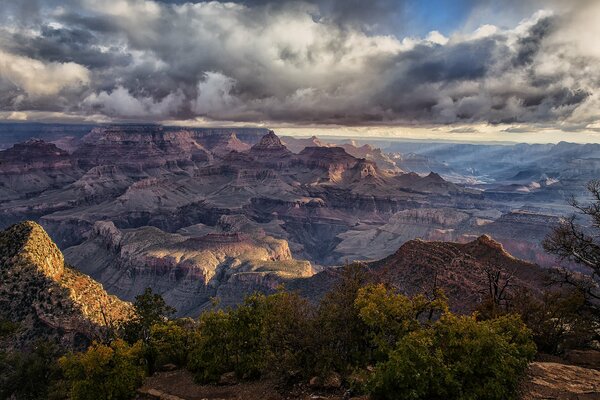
(511, 70)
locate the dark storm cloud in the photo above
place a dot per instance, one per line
(529, 45)
(68, 45)
(317, 61)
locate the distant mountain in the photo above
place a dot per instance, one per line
(458, 268)
(48, 299)
(422, 267)
(365, 151)
(31, 167)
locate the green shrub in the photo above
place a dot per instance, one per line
(171, 342)
(341, 339)
(229, 341)
(265, 335)
(560, 320)
(390, 316)
(288, 335)
(150, 309)
(104, 372)
(456, 358)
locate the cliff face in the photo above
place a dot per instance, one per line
(32, 167)
(188, 269)
(140, 147)
(47, 298)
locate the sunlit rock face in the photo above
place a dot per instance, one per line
(47, 298)
(187, 269)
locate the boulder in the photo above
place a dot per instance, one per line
(228, 378)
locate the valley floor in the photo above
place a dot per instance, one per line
(546, 380)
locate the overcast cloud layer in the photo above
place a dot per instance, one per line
(313, 62)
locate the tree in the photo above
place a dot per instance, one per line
(558, 319)
(575, 242)
(150, 309)
(497, 294)
(171, 342)
(342, 339)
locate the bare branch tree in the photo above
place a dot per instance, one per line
(498, 282)
(574, 242)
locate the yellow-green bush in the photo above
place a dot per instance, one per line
(456, 358)
(104, 372)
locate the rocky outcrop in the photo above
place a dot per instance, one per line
(322, 201)
(271, 152)
(187, 269)
(141, 148)
(459, 269)
(46, 298)
(550, 380)
(32, 167)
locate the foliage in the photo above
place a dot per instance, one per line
(288, 334)
(171, 342)
(29, 375)
(560, 320)
(419, 348)
(341, 339)
(229, 341)
(456, 358)
(150, 309)
(7, 328)
(104, 372)
(390, 315)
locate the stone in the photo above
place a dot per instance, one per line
(315, 382)
(333, 380)
(228, 378)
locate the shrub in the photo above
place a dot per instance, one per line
(171, 342)
(265, 335)
(29, 375)
(150, 309)
(390, 316)
(560, 320)
(341, 336)
(104, 372)
(288, 334)
(229, 341)
(456, 358)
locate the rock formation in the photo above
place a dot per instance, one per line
(48, 299)
(189, 268)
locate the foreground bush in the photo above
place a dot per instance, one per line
(30, 375)
(171, 342)
(456, 358)
(266, 334)
(104, 372)
(419, 349)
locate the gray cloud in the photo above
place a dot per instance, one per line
(293, 62)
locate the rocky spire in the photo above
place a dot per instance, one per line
(269, 142)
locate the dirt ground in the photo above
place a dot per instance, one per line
(546, 380)
(179, 385)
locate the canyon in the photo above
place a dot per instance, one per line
(203, 213)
